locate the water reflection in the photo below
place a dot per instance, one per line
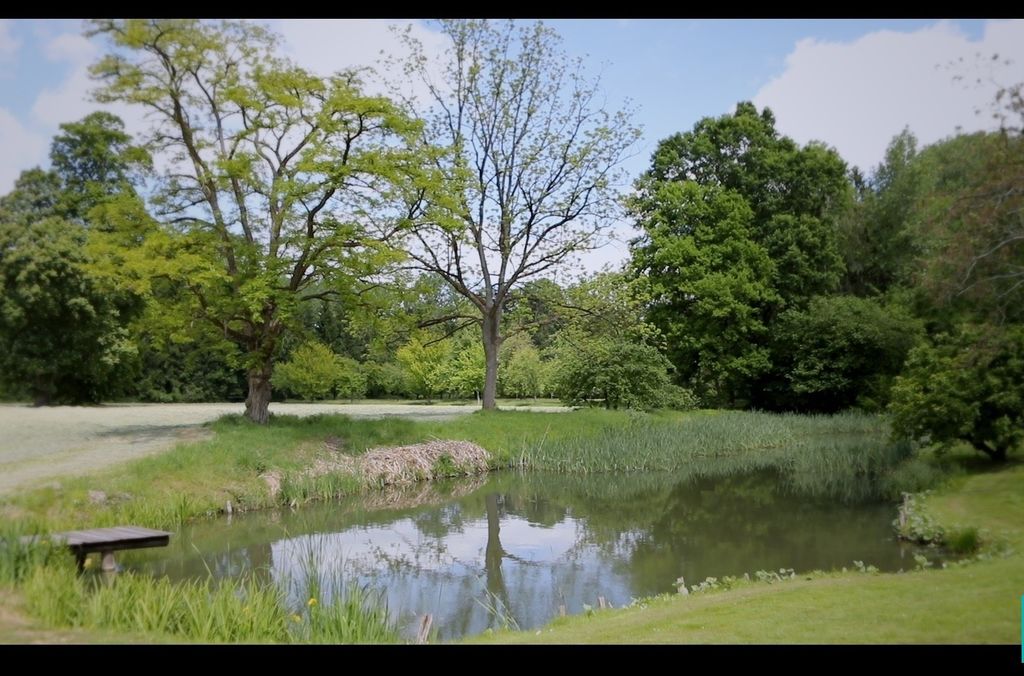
(512, 548)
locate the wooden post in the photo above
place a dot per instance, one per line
(424, 632)
(602, 603)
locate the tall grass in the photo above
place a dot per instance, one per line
(354, 613)
(23, 548)
(847, 457)
(233, 610)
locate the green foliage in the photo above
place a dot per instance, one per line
(971, 227)
(738, 224)
(708, 281)
(24, 548)
(252, 227)
(839, 352)
(315, 372)
(351, 380)
(878, 235)
(385, 379)
(62, 334)
(795, 194)
(522, 373)
(616, 372)
(913, 475)
(539, 309)
(36, 196)
(525, 167)
(963, 541)
(968, 387)
(311, 373)
(463, 372)
(95, 160)
(423, 363)
(204, 369)
(235, 610)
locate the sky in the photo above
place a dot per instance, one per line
(852, 84)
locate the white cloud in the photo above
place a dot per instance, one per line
(26, 142)
(69, 100)
(71, 47)
(329, 45)
(9, 46)
(22, 149)
(857, 95)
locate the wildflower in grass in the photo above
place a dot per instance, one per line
(296, 619)
(312, 602)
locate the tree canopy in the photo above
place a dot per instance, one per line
(525, 166)
(273, 181)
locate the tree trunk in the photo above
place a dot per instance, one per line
(257, 403)
(42, 391)
(493, 555)
(492, 341)
(998, 454)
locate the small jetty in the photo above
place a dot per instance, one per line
(106, 541)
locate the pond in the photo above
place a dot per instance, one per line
(509, 549)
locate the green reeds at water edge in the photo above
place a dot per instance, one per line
(23, 548)
(230, 610)
(845, 457)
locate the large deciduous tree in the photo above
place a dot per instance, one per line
(738, 224)
(96, 160)
(268, 175)
(63, 319)
(528, 156)
(62, 336)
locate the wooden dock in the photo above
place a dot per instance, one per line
(108, 540)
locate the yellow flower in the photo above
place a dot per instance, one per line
(311, 602)
(296, 618)
(87, 564)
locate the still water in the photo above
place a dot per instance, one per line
(508, 549)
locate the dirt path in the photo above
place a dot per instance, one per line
(40, 444)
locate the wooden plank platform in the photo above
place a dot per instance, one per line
(107, 541)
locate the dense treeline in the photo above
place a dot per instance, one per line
(764, 274)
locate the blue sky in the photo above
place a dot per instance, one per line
(850, 83)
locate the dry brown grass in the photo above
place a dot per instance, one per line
(430, 460)
(390, 465)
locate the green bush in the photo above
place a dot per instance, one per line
(968, 387)
(963, 541)
(315, 372)
(840, 352)
(614, 371)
